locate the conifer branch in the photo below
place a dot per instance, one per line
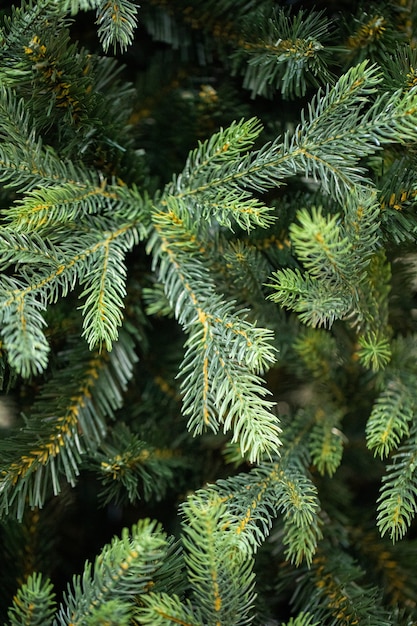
(94, 259)
(160, 609)
(342, 596)
(326, 440)
(398, 496)
(72, 424)
(254, 500)
(124, 569)
(74, 6)
(129, 467)
(218, 566)
(34, 603)
(116, 23)
(220, 388)
(283, 52)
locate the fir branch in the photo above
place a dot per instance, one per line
(16, 122)
(397, 501)
(71, 424)
(361, 225)
(34, 603)
(246, 270)
(93, 259)
(389, 563)
(335, 118)
(30, 250)
(124, 569)
(284, 52)
(24, 18)
(253, 500)
(225, 352)
(339, 114)
(129, 467)
(320, 245)
(55, 205)
(104, 290)
(374, 351)
(398, 191)
(375, 335)
(116, 23)
(22, 328)
(231, 394)
(339, 593)
(24, 161)
(341, 275)
(112, 613)
(390, 431)
(74, 6)
(334, 590)
(215, 233)
(231, 202)
(318, 303)
(161, 609)
(43, 207)
(374, 30)
(38, 166)
(218, 566)
(326, 440)
(299, 505)
(319, 353)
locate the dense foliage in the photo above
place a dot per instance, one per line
(207, 313)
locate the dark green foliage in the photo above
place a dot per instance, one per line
(207, 313)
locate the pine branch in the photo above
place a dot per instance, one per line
(326, 440)
(284, 52)
(24, 161)
(162, 609)
(24, 18)
(116, 23)
(74, 6)
(390, 418)
(253, 500)
(375, 30)
(208, 183)
(319, 353)
(82, 151)
(318, 304)
(71, 425)
(388, 562)
(343, 596)
(94, 259)
(398, 496)
(218, 565)
(397, 182)
(124, 569)
(129, 467)
(333, 591)
(346, 276)
(224, 351)
(34, 603)
(334, 118)
(33, 250)
(116, 20)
